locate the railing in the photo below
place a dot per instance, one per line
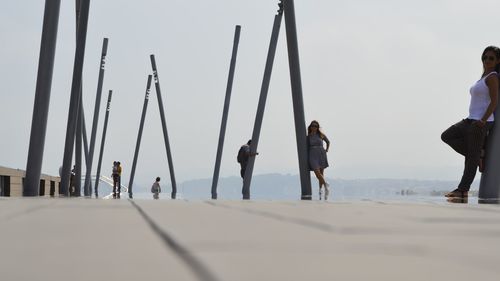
(109, 182)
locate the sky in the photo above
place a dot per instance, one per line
(384, 79)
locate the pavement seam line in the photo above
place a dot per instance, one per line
(25, 212)
(311, 224)
(297, 221)
(199, 269)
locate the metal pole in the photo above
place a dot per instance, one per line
(103, 140)
(75, 97)
(42, 98)
(81, 130)
(489, 187)
(78, 137)
(164, 126)
(86, 192)
(88, 174)
(77, 179)
(84, 134)
(298, 103)
(78, 7)
(225, 113)
(139, 136)
(247, 179)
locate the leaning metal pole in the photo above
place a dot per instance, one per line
(247, 179)
(489, 188)
(77, 183)
(82, 131)
(77, 179)
(139, 137)
(85, 145)
(103, 141)
(88, 184)
(85, 142)
(298, 103)
(84, 134)
(42, 98)
(225, 113)
(164, 126)
(75, 97)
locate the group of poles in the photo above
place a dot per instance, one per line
(286, 7)
(76, 132)
(489, 190)
(76, 129)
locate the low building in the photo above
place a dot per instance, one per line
(11, 183)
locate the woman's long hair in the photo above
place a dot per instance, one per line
(495, 50)
(315, 123)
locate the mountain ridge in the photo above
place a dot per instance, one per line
(286, 186)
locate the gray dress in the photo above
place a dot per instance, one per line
(317, 154)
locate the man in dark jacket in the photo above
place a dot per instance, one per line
(243, 156)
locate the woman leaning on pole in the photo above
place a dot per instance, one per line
(467, 137)
(318, 160)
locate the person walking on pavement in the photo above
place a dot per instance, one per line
(243, 156)
(317, 155)
(156, 189)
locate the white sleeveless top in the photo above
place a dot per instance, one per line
(480, 99)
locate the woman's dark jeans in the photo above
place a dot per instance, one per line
(467, 138)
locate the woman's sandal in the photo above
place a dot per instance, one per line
(457, 193)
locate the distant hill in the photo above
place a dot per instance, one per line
(287, 187)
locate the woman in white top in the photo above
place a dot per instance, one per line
(467, 136)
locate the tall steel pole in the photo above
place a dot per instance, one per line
(489, 188)
(77, 183)
(81, 130)
(103, 141)
(139, 137)
(86, 192)
(298, 103)
(84, 134)
(225, 113)
(262, 102)
(42, 98)
(77, 179)
(164, 126)
(88, 174)
(75, 97)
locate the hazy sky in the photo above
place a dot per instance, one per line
(384, 78)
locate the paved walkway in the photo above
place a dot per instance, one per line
(87, 239)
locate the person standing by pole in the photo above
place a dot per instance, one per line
(244, 155)
(467, 137)
(156, 189)
(119, 180)
(318, 161)
(114, 176)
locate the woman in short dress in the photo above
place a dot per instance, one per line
(467, 136)
(317, 155)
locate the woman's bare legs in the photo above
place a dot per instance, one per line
(321, 179)
(327, 185)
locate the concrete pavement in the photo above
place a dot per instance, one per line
(89, 239)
